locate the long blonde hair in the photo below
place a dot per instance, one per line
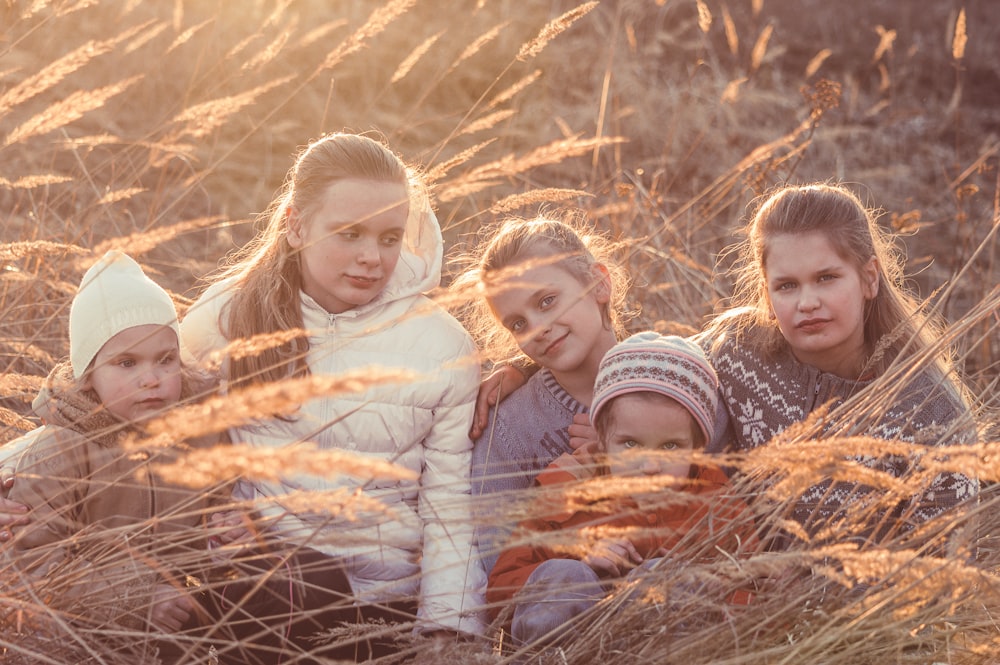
(515, 245)
(268, 271)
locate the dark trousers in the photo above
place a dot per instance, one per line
(278, 607)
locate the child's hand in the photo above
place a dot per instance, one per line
(612, 557)
(11, 513)
(503, 381)
(231, 527)
(172, 608)
(582, 435)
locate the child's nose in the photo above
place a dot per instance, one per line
(368, 252)
(149, 378)
(808, 300)
(651, 465)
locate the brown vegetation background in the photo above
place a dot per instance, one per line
(161, 127)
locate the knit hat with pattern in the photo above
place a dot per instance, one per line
(114, 295)
(664, 364)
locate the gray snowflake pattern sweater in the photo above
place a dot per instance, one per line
(525, 433)
(763, 397)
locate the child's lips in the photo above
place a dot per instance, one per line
(555, 346)
(363, 281)
(812, 325)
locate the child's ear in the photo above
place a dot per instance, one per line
(293, 227)
(602, 283)
(870, 279)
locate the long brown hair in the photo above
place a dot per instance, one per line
(268, 271)
(894, 319)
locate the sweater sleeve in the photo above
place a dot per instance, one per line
(453, 581)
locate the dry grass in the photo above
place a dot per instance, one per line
(160, 128)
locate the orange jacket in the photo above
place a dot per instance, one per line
(700, 507)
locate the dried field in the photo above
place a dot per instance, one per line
(161, 128)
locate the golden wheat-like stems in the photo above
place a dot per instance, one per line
(535, 196)
(268, 53)
(817, 61)
(509, 93)
(116, 195)
(553, 29)
(376, 23)
(410, 61)
(704, 17)
(441, 170)
(137, 244)
(12, 384)
(477, 44)
(33, 181)
(281, 398)
(14, 251)
(186, 36)
(64, 112)
(342, 503)
(206, 467)
(732, 36)
(961, 38)
(13, 424)
(760, 48)
(553, 153)
(57, 71)
(732, 91)
(149, 31)
(321, 31)
(202, 119)
(886, 38)
(487, 122)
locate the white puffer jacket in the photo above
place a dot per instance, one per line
(420, 545)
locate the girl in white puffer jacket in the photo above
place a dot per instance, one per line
(349, 249)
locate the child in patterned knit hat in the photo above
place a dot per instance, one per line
(655, 399)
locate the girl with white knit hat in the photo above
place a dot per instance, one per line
(86, 491)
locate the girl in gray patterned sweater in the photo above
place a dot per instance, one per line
(822, 326)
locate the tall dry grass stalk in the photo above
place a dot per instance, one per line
(159, 128)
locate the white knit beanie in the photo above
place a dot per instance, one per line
(114, 295)
(664, 364)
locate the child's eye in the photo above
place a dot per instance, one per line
(516, 326)
(547, 301)
(349, 234)
(630, 443)
(785, 286)
(669, 445)
(126, 363)
(168, 359)
(390, 241)
(826, 278)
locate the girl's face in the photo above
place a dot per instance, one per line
(556, 320)
(349, 247)
(818, 299)
(642, 425)
(137, 373)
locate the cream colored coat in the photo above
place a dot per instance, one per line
(417, 541)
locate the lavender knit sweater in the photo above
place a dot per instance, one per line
(525, 432)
